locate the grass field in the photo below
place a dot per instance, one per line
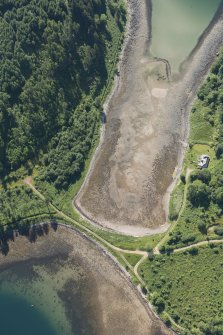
(190, 287)
(201, 131)
(176, 201)
(132, 259)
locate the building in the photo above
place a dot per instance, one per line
(203, 161)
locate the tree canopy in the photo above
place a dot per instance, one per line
(53, 69)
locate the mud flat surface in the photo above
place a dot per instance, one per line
(127, 188)
(76, 286)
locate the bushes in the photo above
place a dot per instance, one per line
(158, 302)
(218, 196)
(193, 251)
(188, 239)
(219, 231)
(194, 298)
(202, 228)
(202, 175)
(219, 150)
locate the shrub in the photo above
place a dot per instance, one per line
(158, 302)
(162, 249)
(202, 228)
(166, 320)
(189, 238)
(183, 178)
(193, 251)
(219, 231)
(218, 196)
(144, 290)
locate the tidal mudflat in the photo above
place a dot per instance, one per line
(66, 284)
(140, 154)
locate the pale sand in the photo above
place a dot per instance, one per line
(159, 93)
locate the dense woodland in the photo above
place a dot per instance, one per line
(54, 68)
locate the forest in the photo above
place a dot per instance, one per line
(55, 65)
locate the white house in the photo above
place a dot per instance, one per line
(203, 161)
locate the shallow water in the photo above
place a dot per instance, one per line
(19, 317)
(30, 301)
(177, 25)
(64, 284)
(45, 296)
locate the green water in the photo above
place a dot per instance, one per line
(177, 25)
(17, 316)
(53, 295)
(29, 301)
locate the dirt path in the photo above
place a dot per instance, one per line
(147, 126)
(28, 181)
(199, 244)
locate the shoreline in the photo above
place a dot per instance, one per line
(110, 260)
(106, 105)
(140, 230)
(212, 29)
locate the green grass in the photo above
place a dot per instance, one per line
(146, 243)
(176, 201)
(190, 286)
(201, 131)
(132, 259)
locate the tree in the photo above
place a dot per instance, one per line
(202, 228)
(158, 302)
(203, 175)
(219, 150)
(199, 194)
(218, 196)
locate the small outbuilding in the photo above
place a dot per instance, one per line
(203, 161)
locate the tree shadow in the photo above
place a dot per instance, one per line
(32, 232)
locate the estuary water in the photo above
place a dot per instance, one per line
(31, 298)
(177, 25)
(64, 284)
(19, 317)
